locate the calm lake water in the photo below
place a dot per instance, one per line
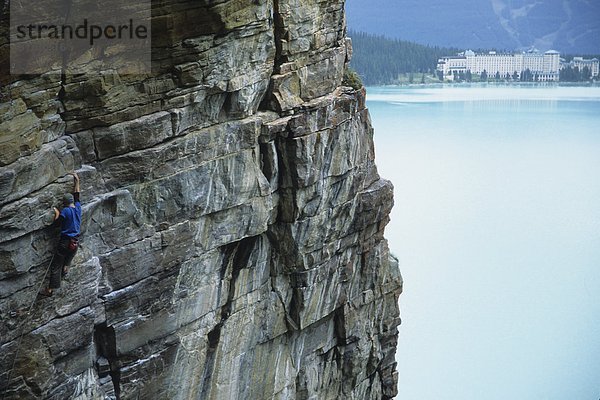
(497, 228)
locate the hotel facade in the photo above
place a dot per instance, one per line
(579, 62)
(545, 67)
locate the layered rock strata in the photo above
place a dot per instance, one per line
(232, 242)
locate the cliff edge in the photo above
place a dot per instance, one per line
(233, 218)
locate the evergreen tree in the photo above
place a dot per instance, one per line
(526, 76)
(484, 76)
(586, 74)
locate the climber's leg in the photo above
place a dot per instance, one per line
(62, 252)
(68, 259)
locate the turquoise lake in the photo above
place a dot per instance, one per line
(496, 225)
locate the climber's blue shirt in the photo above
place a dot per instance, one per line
(71, 219)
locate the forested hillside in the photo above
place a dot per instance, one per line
(380, 60)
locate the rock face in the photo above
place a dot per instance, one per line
(233, 218)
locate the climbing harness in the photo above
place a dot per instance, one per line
(22, 332)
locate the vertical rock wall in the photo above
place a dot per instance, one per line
(233, 218)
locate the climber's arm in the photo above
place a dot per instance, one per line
(76, 189)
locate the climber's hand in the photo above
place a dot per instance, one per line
(76, 181)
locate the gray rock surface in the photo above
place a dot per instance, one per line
(232, 241)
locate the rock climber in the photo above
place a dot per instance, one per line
(69, 219)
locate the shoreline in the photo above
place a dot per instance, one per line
(486, 84)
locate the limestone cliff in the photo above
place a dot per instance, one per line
(232, 243)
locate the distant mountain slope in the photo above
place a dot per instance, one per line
(569, 26)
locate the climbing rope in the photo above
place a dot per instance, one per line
(22, 330)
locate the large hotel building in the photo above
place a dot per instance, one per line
(579, 62)
(544, 66)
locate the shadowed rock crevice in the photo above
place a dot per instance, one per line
(213, 339)
(295, 308)
(279, 35)
(236, 257)
(107, 361)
